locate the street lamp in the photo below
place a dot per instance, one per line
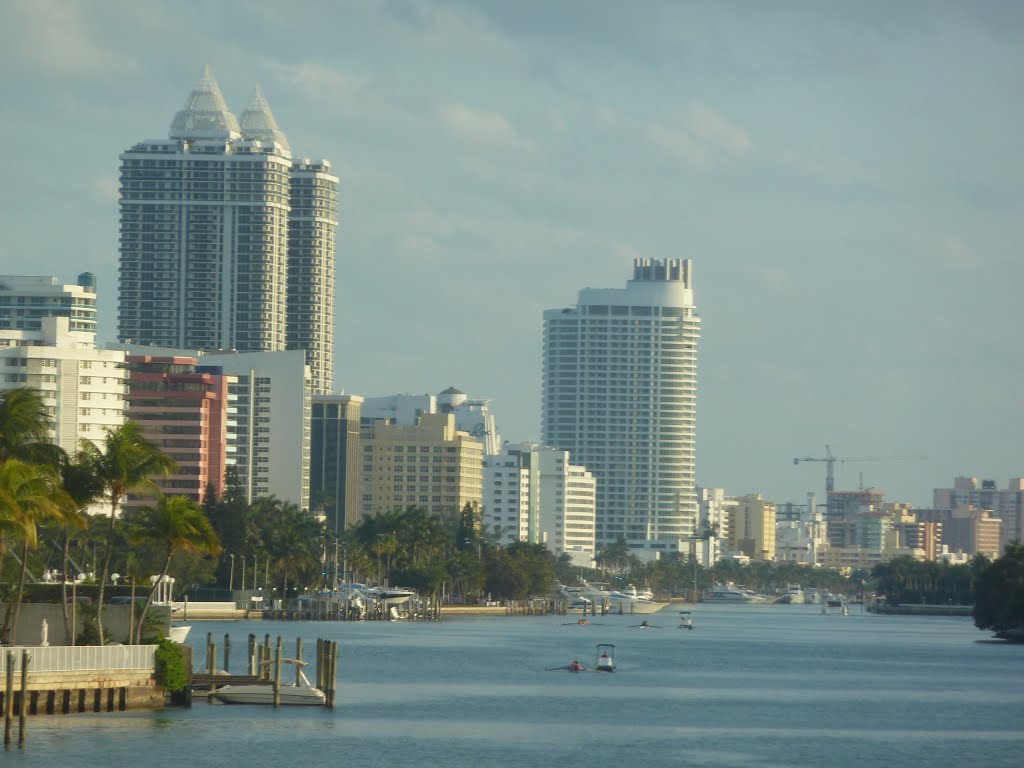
(255, 569)
(231, 577)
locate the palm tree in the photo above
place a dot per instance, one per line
(127, 463)
(82, 489)
(177, 523)
(29, 494)
(25, 427)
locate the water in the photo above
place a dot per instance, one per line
(749, 686)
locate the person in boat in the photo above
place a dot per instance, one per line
(575, 666)
(583, 621)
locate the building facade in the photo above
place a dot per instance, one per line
(430, 464)
(535, 494)
(620, 394)
(83, 388)
(208, 258)
(472, 415)
(26, 300)
(335, 459)
(182, 408)
(752, 528)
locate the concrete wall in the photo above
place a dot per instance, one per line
(115, 622)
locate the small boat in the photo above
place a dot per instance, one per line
(685, 620)
(178, 633)
(302, 694)
(794, 596)
(605, 658)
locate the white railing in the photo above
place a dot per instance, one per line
(81, 658)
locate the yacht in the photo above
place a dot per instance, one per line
(304, 693)
(729, 594)
(794, 596)
(615, 601)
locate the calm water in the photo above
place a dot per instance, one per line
(749, 686)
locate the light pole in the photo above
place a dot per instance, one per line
(255, 570)
(231, 577)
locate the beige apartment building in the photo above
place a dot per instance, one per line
(430, 465)
(752, 528)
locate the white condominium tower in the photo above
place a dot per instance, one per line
(620, 394)
(226, 242)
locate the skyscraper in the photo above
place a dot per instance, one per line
(620, 394)
(226, 243)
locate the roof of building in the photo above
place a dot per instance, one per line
(205, 114)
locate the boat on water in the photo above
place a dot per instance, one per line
(302, 693)
(644, 593)
(179, 633)
(794, 596)
(613, 600)
(685, 620)
(727, 593)
(390, 596)
(605, 658)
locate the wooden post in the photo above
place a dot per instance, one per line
(264, 666)
(277, 672)
(227, 652)
(26, 657)
(252, 655)
(8, 697)
(298, 657)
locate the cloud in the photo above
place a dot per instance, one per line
(831, 169)
(701, 138)
(488, 129)
(318, 82)
(55, 38)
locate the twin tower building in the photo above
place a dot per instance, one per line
(228, 244)
(227, 241)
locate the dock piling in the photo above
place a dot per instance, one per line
(277, 672)
(26, 657)
(8, 696)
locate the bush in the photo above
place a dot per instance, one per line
(170, 666)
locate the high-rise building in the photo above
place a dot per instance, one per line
(471, 415)
(83, 388)
(431, 465)
(535, 494)
(183, 409)
(334, 458)
(226, 243)
(620, 394)
(26, 300)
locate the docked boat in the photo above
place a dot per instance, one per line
(179, 632)
(615, 601)
(302, 694)
(734, 595)
(793, 596)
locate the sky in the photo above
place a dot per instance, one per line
(846, 177)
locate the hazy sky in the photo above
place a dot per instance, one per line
(848, 179)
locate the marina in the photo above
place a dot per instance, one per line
(763, 687)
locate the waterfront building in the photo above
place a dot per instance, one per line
(620, 394)
(973, 530)
(713, 524)
(83, 388)
(226, 243)
(472, 415)
(268, 417)
(1007, 504)
(335, 456)
(800, 532)
(752, 528)
(182, 407)
(535, 494)
(26, 299)
(430, 464)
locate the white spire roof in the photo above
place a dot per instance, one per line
(205, 115)
(258, 122)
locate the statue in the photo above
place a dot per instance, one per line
(44, 634)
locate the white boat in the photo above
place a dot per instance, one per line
(178, 633)
(605, 661)
(736, 595)
(616, 602)
(388, 595)
(685, 620)
(643, 594)
(303, 694)
(794, 596)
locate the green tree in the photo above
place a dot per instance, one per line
(999, 593)
(127, 462)
(82, 488)
(30, 494)
(25, 428)
(176, 523)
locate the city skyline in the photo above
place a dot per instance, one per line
(845, 178)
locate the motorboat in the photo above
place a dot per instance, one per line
(685, 620)
(605, 661)
(388, 595)
(178, 633)
(644, 593)
(737, 595)
(615, 601)
(793, 596)
(572, 600)
(303, 693)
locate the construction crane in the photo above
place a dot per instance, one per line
(830, 462)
